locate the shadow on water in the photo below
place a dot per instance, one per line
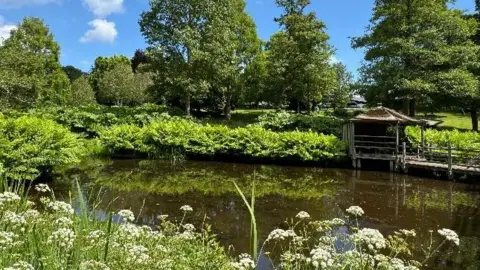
(390, 201)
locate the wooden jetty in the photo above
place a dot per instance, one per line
(378, 134)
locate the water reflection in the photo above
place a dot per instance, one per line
(390, 201)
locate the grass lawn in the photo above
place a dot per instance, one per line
(240, 118)
(451, 120)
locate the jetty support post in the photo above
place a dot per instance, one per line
(450, 161)
(404, 157)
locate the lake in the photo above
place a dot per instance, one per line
(390, 201)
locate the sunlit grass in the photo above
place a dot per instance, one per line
(451, 119)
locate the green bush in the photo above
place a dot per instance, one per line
(316, 122)
(437, 138)
(192, 139)
(30, 146)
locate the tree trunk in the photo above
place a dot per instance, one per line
(187, 105)
(298, 106)
(228, 107)
(474, 116)
(412, 107)
(406, 106)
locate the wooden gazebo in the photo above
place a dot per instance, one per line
(377, 134)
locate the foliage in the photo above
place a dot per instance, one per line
(73, 73)
(139, 58)
(103, 65)
(342, 93)
(437, 138)
(255, 80)
(52, 236)
(82, 92)
(30, 146)
(413, 54)
(300, 55)
(30, 71)
(341, 244)
(120, 86)
(186, 137)
(316, 122)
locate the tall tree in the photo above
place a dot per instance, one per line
(104, 64)
(73, 73)
(342, 92)
(307, 53)
(418, 50)
(140, 57)
(182, 34)
(255, 80)
(82, 92)
(235, 48)
(30, 71)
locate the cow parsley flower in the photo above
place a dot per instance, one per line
(245, 262)
(408, 233)
(279, 234)
(21, 265)
(371, 238)
(137, 254)
(303, 215)
(8, 198)
(450, 235)
(60, 207)
(31, 215)
(94, 237)
(356, 211)
(127, 215)
(321, 258)
(63, 222)
(189, 227)
(93, 265)
(186, 208)
(63, 238)
(14, 220)
(7, 240)
(128, 232)
(43, 188)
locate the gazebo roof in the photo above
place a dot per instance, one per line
(386, 115)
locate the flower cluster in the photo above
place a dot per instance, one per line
(186, 208)
(14, 220)
(93, 265)
(356, 211)
(303, 215)
(127, 215)
(189, 227)
(137, 254)
(450, 236)
(60, 207)
(371, 238)
(43, 188)
(7, 240)
(21, 265)
(63, 222)
(63, 238)
(8, 198)
(279, 234)
(245, 262)
(321, 258)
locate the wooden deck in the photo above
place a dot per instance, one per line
(437, 166)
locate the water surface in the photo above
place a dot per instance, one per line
(390, 201)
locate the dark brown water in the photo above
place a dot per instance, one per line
(390, 201)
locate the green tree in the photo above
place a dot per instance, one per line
(120, 86)
(30, 71)
(103, 65)
(255, 80)
(342, 92)
(236, 47)
(73, 73)
(183, 37)
(82, 92)
(418, 50)
(307, 53)
(139, 58)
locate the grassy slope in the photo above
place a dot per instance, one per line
(451, 120)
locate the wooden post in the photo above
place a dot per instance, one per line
(450, 172)
(404, 158)
(423, 138)
(398, 140)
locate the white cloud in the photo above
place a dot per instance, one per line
(102, 31)
(334, 60)
(103, 8)
(19, 3)
(5, 30)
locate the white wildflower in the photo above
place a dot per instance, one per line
(189, 227)
(63, 238)
(93, 265)
(94, 237)
(450, 236)
(356, 211)
(21, 265)
(408, 233)
(163, 217)
(63, 222)
(303, 215)
(14, 220)
(137, 254)
(60, 207)
(371, 238)
(31, 215)
(289, 257)
(245, 262)
(187, 235)
(128, 232)
(277, 234)
(186, 208)
(127, 215)
(321, 258)
(44, 188)
(8, 198)
(7, 240)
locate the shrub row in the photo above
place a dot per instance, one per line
(191, 139)
(437, 138)
(30, 146)
(318, 122)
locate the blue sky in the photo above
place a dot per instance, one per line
(87, 29)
